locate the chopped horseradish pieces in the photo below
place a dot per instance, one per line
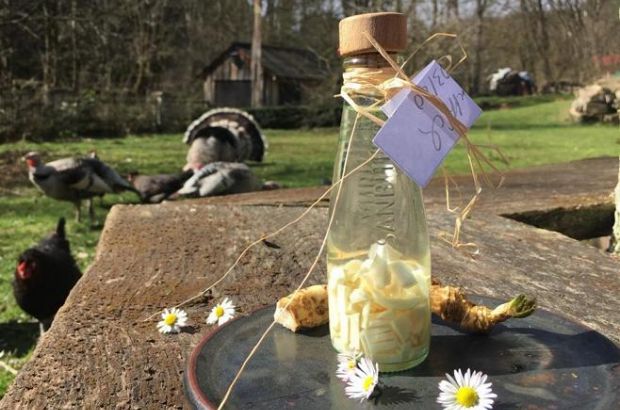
(380, 306)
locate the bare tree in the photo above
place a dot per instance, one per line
(256, 67)
(480, 11)
(543, 40)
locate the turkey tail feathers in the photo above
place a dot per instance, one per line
(110, 176)
(251, 143)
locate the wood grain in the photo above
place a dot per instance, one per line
(100, 353)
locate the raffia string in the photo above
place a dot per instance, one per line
(386, 83)
(308, 273)
(365, 80)
(478, 162)
(6, 366)
(260, 240)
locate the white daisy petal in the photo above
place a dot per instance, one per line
(347, 365)
(221, 313)
(172, 320)
(211, 319)
(362, 383)
(459, 377)
(466, 391)
(447, 387)
(475, 379)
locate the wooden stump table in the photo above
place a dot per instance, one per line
(101, 353)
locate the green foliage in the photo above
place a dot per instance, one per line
(529, 135)
(291, 117)
(95, 115)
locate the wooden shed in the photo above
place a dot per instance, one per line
(287, 73)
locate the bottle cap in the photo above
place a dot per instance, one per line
(389, 29)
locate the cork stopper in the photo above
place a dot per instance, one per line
(389, 29)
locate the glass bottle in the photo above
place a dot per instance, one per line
(378, 257)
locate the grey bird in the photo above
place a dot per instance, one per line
(224, 134)
(93, 154)
(75, 179)
(155, 188)
(221, 178)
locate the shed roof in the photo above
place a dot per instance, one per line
(284, 62)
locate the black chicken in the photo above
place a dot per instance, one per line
(45, 275)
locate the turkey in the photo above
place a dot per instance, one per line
(224, 134)
(156, 188)
(75, 179)
(221, 178)
(93, 154)
(44, 276)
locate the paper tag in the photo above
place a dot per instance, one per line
(435, 80)
(417, 136)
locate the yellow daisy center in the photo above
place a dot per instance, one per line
(466, 396)
(219, 311)
(367, 383)
(352, 364)
(170, 319)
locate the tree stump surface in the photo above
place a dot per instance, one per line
(615, 244)
(575, 184)
(101, 353)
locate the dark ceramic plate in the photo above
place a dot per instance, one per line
(541, 362)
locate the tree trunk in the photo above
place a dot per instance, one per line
(529, 44)
(256, 66)
(74, 58)
(477, 63)
(452, 9)
(46, 58)
(544, 42)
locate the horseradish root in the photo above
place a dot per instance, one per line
(309, 308)
(450, 304)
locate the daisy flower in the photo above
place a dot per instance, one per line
(172, 321)
(221, 313)
(347, 364)
(362, 383)
(466, 391)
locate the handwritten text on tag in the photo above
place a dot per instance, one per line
(435, 80)
(417, 136)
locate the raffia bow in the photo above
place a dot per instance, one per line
(389, 85)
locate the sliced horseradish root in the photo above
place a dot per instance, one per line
(380, 306)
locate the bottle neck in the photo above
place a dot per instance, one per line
(364, 73)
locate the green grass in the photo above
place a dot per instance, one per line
(528, 135)
(494, 102)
